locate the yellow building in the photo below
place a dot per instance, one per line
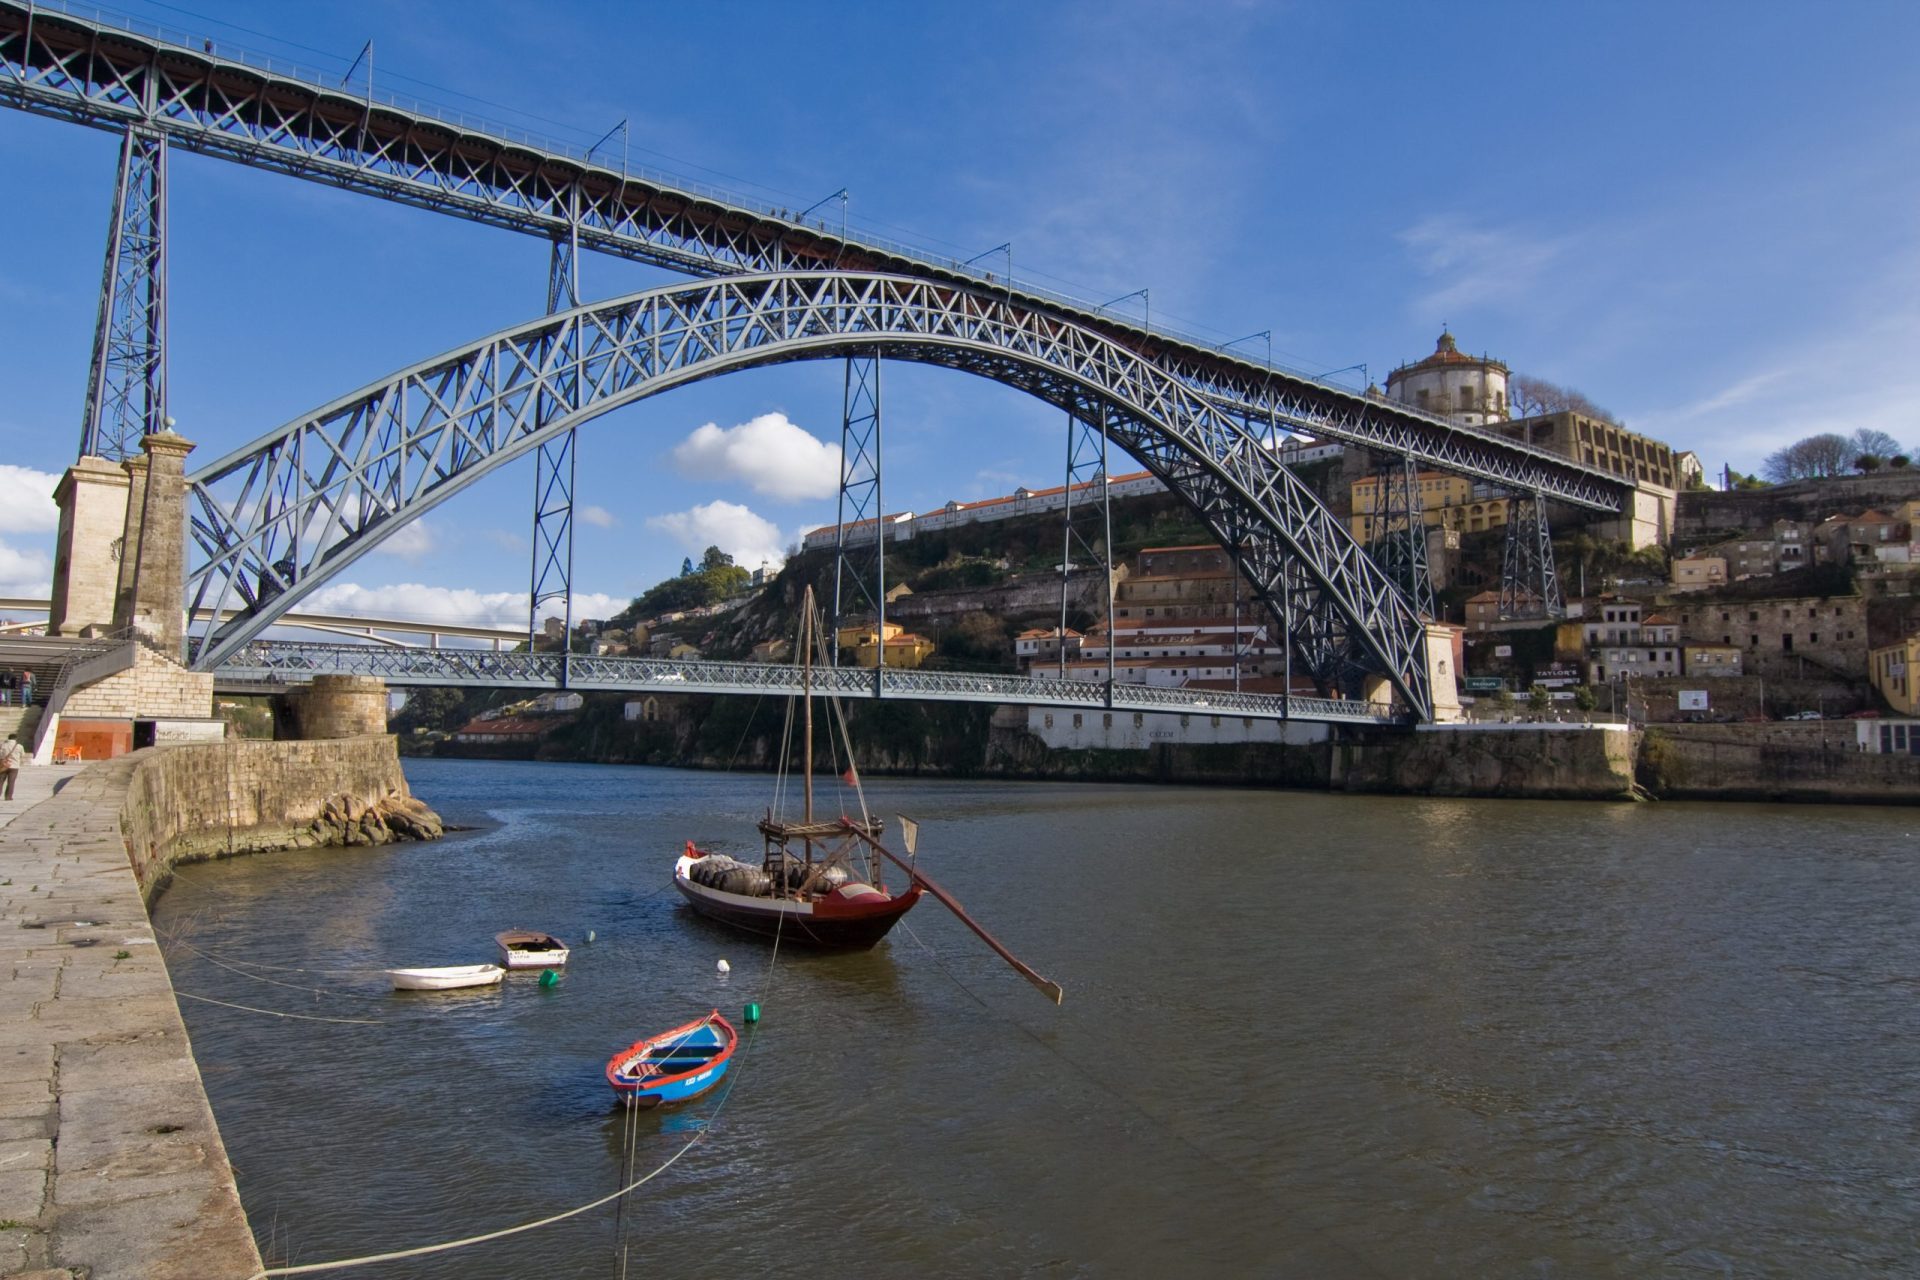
(862, 645)
(1451, 502)
(1893, 673)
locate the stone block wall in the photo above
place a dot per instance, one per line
(340, 707)
(1562, 762)
(1815, 761)
(242, 795)
(153, 688)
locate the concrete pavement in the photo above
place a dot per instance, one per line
(110, 1164)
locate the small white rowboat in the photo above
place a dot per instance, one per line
(530, 949)
(446, 979)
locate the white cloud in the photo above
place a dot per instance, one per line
(598, 517)
(414, 602)
(410, 542)
(736, 530)
(1472, 265)
(503, 539)
(25, 572)
(26, 500)
(769, 452)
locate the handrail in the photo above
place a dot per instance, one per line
(72, 674)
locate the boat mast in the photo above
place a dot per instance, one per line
(806, 698)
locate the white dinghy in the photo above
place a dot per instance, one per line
(447, 978)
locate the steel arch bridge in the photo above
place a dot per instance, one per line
(276, 518)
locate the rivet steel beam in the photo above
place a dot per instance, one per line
(279, 516)
(127, 380)
(57, 64)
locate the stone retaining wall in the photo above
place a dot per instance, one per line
(1809, 762)
(242, 796)
(1541, 762)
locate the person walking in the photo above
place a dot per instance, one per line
(12, 756)
(26, 688)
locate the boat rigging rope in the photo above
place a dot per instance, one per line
(447, 1246)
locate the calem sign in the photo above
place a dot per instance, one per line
(1693, 700)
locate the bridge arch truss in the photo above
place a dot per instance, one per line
(276, 518)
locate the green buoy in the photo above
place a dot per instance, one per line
(548, 978)
(753, 1013)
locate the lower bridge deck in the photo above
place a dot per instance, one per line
(276, 663)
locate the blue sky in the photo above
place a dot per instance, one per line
(1701, 215)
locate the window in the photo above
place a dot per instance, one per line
(1138, 719)
(1049, 720)
(1813, 637)
(1753, 642)
(1076, 719)
(1753, 615)
(1106, 720)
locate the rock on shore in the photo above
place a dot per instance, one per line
(346, 821)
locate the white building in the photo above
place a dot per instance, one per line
(1469, 390)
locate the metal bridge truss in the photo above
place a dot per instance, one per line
(554, 472)
(1397, 530)
(860, 543)
(288, 662)
(1529, 583)
(279, 516)
(73, 68)
(1086, 466)
(127, 383)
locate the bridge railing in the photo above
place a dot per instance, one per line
(265, 661)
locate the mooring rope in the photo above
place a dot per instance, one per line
(175, 941)
(447, 1246)
(276, 1013)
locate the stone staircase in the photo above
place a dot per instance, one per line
(19, 722)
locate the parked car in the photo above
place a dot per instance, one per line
(1806, 715)
(1863, 715)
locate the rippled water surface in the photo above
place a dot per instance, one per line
(1304, 1035)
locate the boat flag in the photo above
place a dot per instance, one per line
(909, 832)
(850, 778)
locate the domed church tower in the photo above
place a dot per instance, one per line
(1469, 390)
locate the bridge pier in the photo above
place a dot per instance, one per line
(339, 707)
(92, 497)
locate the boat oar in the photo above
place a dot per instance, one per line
(1049, 988)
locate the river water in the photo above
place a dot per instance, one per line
(1304, 1035)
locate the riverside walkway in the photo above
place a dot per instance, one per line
(110, 1164)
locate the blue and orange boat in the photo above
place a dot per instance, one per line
(675, 1065)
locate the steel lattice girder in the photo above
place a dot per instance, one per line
(284, 662)
(84, 71)
(127, 384)
(280, 515)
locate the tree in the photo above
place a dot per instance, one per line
(1899, 461)
(1867, 462)
(1878, 443)
(1538, 700)
(1584, 698)
(714, 558)
(1826, 454)
(686, 567)
(1530, 397)
(1503, 701)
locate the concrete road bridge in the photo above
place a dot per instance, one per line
(275, 519)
